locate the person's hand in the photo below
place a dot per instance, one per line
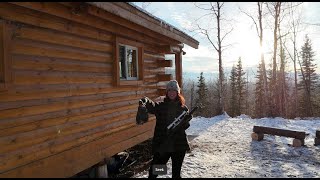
(143, 101)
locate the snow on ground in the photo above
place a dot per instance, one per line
(223, 147)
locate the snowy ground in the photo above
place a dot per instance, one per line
(223, 147)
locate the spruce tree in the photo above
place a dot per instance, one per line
(202, 96)
(233, 88)
(240, 86)
(260, 105)
(308, 80)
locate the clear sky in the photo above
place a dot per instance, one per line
(243, 39)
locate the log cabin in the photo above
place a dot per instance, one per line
(71, 75)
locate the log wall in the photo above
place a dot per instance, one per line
(59, 111)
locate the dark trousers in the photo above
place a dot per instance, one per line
(163, 158)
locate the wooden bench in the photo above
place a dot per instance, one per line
(317, 138)
(259, 131)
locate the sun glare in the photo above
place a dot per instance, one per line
(250, 52)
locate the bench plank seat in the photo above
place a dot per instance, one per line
(279, 132)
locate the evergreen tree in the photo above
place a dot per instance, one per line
(202, 96)
(240, 86)
(259, 94)
(233, 100)
(308, 79)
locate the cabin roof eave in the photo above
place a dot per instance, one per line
(141, 17)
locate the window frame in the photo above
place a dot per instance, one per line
(117, 81)
(126, 62)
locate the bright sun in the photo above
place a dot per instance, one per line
(250, 50)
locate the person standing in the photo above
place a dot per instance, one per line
(164, 147)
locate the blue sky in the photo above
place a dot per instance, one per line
(243, 39)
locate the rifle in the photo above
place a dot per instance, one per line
(177, 124)
(180, 121)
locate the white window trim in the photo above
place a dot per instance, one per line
(126, 62)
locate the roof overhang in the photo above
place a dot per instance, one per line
(143, 18)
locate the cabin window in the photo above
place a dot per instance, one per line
(128, 62)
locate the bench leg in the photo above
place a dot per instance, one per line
(316, 141)
(257, 136)
(298, 142)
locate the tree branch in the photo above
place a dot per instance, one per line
(254, 21)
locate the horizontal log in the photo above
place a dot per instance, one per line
(150, 64)
(36, 63)
(44, 91)
(26, 158)
(56, 121)
(25, 77)
(96, 96)
(59, 105)
(24, 124)
(27, 47)
(155, 56)
(150, 48)
(38, 19)
(279, 132)
(131, 83)
(61, 113)
(169, 49)
(60, 38)
(152, 80)
(16, 143)
(150, 76)
(62, 11)
(154, 71)
(56, 106)
(164, 77)
(164, 63)
(84, 156)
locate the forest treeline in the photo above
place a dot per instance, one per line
(244, 97)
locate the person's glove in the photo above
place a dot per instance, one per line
(142, 113)
(143, 101)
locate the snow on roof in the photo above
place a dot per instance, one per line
(157, 18)
(146, 20)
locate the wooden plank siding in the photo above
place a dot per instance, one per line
(62, 113)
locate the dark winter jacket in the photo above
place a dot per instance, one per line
(165, 113)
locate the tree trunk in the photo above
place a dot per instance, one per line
(266, 110)
(221, 98)
(274, 79)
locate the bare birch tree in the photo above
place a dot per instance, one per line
(258, 22)
(214, 11)
(274, 9)
(295, 26)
